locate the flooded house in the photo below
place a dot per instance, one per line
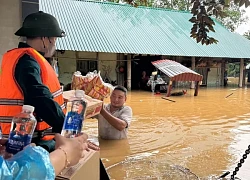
(121, 41)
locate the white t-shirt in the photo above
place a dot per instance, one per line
(107, 131)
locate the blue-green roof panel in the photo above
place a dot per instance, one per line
(119, 28)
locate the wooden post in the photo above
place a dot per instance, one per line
(241, 72)
(193, 68)
(197, 85)
(244, 77)
(129, 72)
(169, 88)
(223, 69)
(99, 63)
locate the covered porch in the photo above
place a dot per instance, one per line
(177, 72)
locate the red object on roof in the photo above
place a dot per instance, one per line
(176, 71)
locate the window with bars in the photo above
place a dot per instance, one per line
(85, 66)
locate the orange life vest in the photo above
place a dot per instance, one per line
(11, 96)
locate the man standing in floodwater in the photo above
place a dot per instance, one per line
(115, 117)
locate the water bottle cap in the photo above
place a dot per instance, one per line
(79, 93)
(28, 108)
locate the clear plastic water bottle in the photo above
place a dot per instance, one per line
(76, 109)
(21, 131)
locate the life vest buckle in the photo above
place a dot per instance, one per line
(41, 134)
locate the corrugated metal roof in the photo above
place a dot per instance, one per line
(117, 28)
(176, 71)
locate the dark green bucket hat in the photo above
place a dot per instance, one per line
(40, 24)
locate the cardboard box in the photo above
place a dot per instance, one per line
(87, 169)
(92, 84)
(94, 106)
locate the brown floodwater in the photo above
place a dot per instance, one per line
(206, 134)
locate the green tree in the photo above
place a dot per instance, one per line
(247, 35)
(202, 11)
(182, 5)
(233, 70)
(234, 16)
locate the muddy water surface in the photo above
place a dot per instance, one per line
(206, 134)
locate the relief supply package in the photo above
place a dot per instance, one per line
(92, 84)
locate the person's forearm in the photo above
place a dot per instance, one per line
(114, 121)
(56, 159)
(50, 112)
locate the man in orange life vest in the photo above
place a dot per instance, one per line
(26, 77)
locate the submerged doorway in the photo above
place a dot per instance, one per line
(141, 63)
